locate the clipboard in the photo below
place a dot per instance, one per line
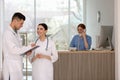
(33, 48)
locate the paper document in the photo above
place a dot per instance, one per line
(32, 48)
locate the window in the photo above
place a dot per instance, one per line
(61, 16)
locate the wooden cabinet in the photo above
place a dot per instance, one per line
(85, 65)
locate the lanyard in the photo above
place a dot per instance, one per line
(46, 44)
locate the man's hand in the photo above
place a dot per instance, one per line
(29, 53)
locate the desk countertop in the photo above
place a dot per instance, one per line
(88, 51)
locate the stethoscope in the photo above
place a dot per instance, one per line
(46, 44)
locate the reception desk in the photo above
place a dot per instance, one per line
(85, 65)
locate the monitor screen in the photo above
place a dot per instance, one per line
(105, 38)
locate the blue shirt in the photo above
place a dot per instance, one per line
(78, 42)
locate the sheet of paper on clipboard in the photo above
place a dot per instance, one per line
(29, 50)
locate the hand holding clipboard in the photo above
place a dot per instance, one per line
(32, 48)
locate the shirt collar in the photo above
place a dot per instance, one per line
(11, 29)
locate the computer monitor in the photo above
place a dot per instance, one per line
(105, 38)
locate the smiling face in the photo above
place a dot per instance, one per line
(80, 29)
(41, 30)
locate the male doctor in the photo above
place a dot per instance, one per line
(12, 48)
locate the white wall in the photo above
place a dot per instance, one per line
(117, 39)
(1, 30)
(110, 16)
(106, 7)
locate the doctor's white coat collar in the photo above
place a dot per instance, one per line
(12, 30)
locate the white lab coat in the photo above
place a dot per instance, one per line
(12, 48)
(42, 69)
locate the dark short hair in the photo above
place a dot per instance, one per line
(44, 26)
(82, 26)
(18, 15)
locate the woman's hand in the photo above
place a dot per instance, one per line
(35, 57)
(38, 56)
(83, 34)
(43, 56)
(33, 44)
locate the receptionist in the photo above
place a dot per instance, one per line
(81, 41)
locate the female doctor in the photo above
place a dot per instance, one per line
(43, 57)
